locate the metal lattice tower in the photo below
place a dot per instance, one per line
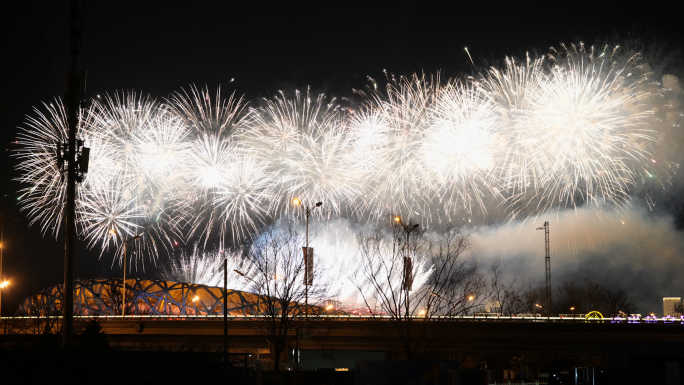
(547, 261)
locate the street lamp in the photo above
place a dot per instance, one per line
(308, 259)
(123, 289)
(2, 246)
(408, 266)
(3, 285)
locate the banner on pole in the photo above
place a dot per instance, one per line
(308, 265)
(408, 274)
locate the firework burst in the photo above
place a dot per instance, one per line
(560, 131)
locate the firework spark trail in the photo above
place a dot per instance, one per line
(339, 258)
(223, 182)
(560, 131)
(206, 268)
(392, 163)
(303, 142)
(337, 262)
(46, 192)
(569, 140)
(461, 146)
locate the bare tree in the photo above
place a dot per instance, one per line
(679, 308)
(514, 300)
(505, 296)
(45, 312)
(533, 300)
(278, 279)
(412, 324)
(619, 303)
(587, 297)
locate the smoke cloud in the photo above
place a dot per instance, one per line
(635, 250)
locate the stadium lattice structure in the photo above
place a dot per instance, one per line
(101, 297)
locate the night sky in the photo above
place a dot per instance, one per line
(160, 46)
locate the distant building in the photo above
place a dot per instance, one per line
(669, 306)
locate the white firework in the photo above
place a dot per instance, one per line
(45, 195)
(305, 145)
(460, 148)
(206, 268)
(393, 168)
(551, 133)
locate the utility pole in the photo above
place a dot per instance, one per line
(72, 95)
(547, 263)
(76, 156)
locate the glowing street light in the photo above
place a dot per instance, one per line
(3, 285)
(471, 298)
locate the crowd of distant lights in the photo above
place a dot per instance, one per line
(560, 131)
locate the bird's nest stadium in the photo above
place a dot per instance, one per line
(102, 297)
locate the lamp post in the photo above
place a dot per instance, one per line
(308, 258)
(408, 266)
(123, 286)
